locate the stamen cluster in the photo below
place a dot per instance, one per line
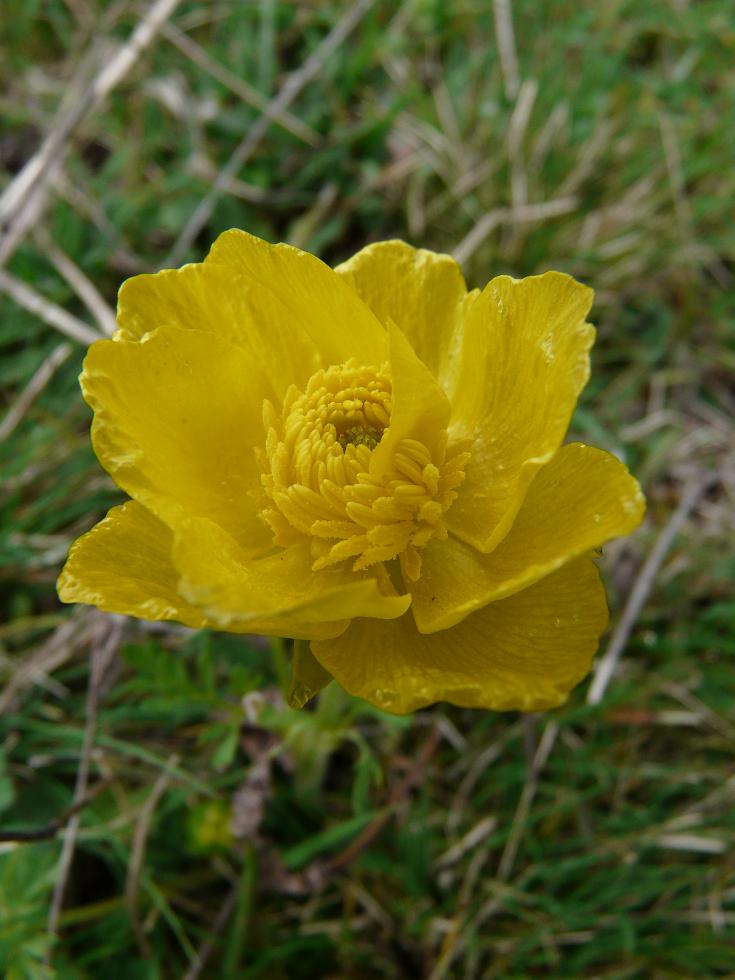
(322, 478)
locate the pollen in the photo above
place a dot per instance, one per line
(320, 477)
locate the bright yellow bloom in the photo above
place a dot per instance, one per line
(367, 458)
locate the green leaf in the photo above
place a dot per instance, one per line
(7, 791)
(301, 854)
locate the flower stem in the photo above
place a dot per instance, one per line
(282, 663)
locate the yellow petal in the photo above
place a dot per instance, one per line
(525, 652)
(421, 291)
(279, 594)
(130, 562)
(308, 677)
(177, 420)
(210, 301)
(577, 502)
(523, 361)
(284, 307)
(420, 407)
(293, 291)
(123, 565)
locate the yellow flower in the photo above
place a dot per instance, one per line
(367, 458)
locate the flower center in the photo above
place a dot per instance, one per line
(322, 482)
(360, 435)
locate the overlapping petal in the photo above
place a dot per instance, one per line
(293, 290)
(422, 292)
(523, 361)
(525, 652)
(577, 502)
(177, 420)
(420, 407)
(288, 310)
(123, 565)
(202, 298)
(279, 594)
(132, 563)
(512, 360)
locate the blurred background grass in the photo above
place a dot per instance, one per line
(221, 834)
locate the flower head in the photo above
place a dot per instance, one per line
(368, 458)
